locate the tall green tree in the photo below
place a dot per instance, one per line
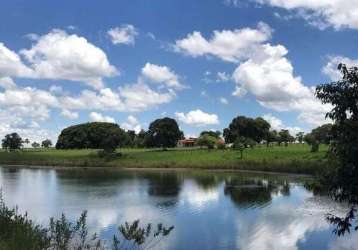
(241, 126)
(46, 143)
(97, 135)
(342, 181)
(163, 133)
(12, 142)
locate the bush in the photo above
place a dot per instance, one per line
(19, 232)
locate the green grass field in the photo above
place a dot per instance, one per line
(291, 159)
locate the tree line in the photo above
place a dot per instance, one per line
(243, 132)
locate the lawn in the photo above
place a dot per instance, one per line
(292, 159)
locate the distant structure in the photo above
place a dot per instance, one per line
(187, 142)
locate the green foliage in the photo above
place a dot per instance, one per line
(300, 137)
(46, 143)
(97, 135)
(239, 145)
(343, 180)
(19, 232)
(35, 144)
(294, 158)
(285, 137)
(207, 141)
(215, 134)
(256, 129)
(163, 133)
(12, 142)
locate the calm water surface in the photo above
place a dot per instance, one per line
(210, 210)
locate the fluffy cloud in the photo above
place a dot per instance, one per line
(330, 69)
(263, 70)
(321, 13)
(98, 117)
(58, 55)
(130, 98)
(161, 74)
(228, 45)
(197, 118)
(132, 124)
(123, 35)
(11, 64)
(69, 114)
(268, 75)
(277, 124)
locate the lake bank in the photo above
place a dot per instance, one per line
(293, 159)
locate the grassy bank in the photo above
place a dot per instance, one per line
(291, 159)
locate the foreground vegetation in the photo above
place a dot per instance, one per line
(18, 232)
(292, 159)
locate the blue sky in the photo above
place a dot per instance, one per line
(201, 62)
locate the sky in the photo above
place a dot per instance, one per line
(202, 62)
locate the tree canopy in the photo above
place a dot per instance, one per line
(343, 179)
(256, 129)
(97, 135)
(12, 142)
(164, 133)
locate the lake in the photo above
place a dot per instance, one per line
(210, 210)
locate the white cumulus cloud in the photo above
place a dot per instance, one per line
(228, 45)
(124, 34)
(58, 55)
(161, 74)
(197, 118)
(98, 117)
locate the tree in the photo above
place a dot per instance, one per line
(312, 141)
(12, 142)
(284, 136)
(46, 143)
(96, 135)
(27, 141)
(272, 136)
(35, 145)
(256, 129)
(342, 181)
(319, 135)
(207, 140)
(300, 137)
(239, 145)
(163, 133)
(215, 134)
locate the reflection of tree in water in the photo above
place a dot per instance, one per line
(207, 181)
(166, 187)
(254, 192)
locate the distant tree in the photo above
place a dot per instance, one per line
(96, 135)
(241, 126)
(272, 136)
(319, 135)
(323, 134)
(46, 143)
(27, 141)
(215, 134)
(284, 136)
(300, 137)
(163, 133)
(35, 145)
(140, 139)
(12, 142)
(239, 145)
(207, 140)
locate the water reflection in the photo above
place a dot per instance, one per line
(210, 210)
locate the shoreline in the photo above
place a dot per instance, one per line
(150, 169)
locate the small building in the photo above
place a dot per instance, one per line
(187, 142)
